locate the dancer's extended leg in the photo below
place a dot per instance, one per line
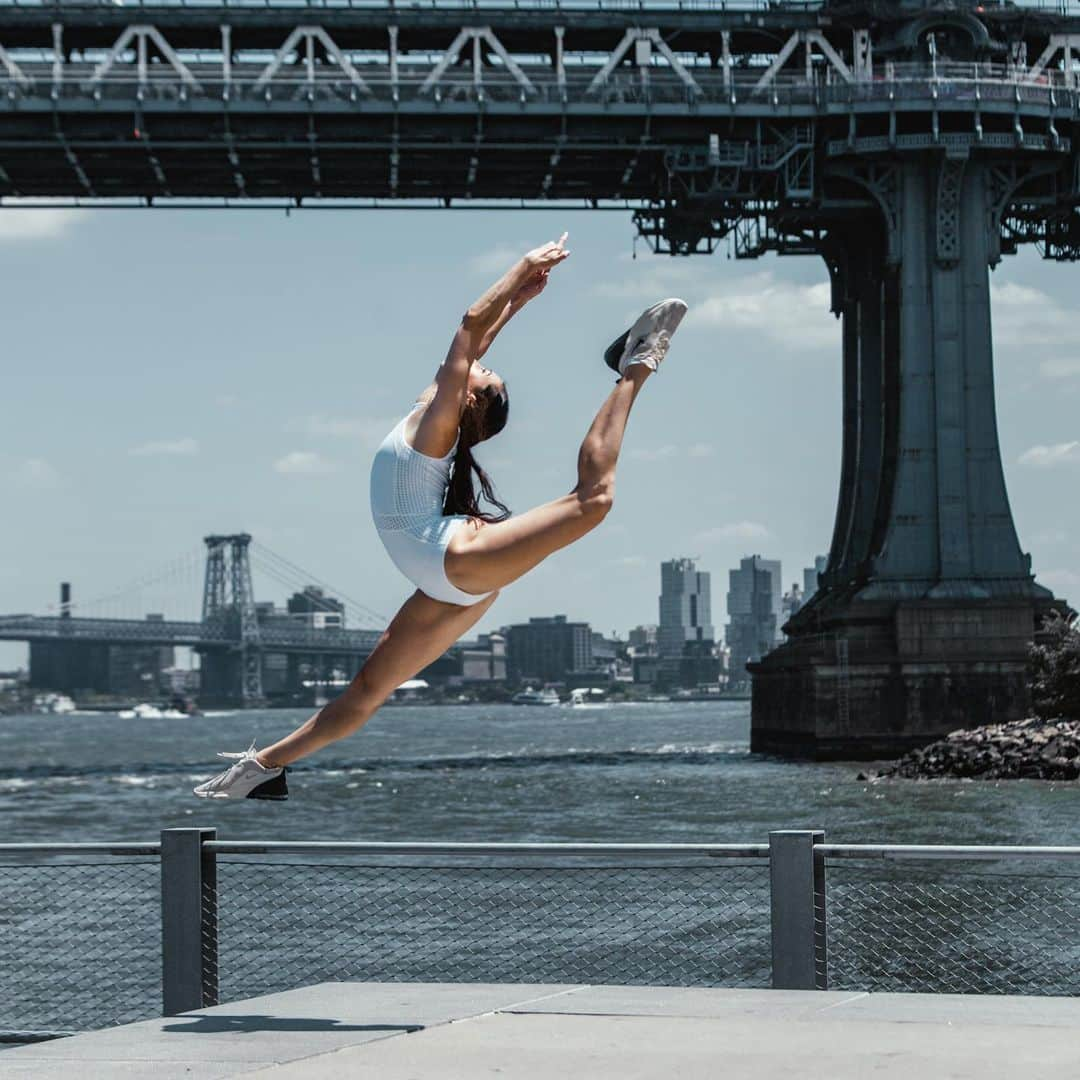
(418, 635)
(493, 555)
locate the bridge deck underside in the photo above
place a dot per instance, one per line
(162, 150)
(348, 156)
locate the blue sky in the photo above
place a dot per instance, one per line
(172, 373)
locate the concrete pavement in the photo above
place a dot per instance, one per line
(411, 1031)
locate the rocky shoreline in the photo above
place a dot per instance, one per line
(1030, 749)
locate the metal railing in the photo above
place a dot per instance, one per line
(450, 5)
(100, 934)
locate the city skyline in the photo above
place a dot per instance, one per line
(233, 389)
(319, 606)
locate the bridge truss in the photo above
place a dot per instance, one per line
(709, 122)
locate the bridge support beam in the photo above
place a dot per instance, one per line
(926, 610)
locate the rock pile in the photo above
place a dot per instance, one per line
(1029, 749)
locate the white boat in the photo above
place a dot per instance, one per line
(53, 703)
(588, 697)
(146, 711)
(529, 696)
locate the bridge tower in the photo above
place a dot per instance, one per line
(229, 613)
(926, 609)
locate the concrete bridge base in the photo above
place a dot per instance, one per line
(879, 682)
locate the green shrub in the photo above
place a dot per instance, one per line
(1055, 661)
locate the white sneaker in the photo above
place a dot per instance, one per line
(647, 341)
(246, 779)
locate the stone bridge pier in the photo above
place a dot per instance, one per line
(925, 613)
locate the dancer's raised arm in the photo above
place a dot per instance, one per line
(533, 287)
(492, 306)
(438, 427)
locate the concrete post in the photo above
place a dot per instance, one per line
(188, 921)
(797, 882)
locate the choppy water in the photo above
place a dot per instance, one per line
(677, 772)
(80, 944)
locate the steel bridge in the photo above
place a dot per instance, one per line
(231, 638)
(910, 145)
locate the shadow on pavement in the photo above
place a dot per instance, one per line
(210, 1025)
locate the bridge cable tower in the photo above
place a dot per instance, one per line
(229, 606)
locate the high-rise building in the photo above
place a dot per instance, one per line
(643, 637)
(484, 660)
(791, 603)
(685, 609)
(547, 649)
(686, 638)
(755, 613)
(317, 610)
(811, 575)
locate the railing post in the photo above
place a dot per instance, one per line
(797, 883)
(188, 921)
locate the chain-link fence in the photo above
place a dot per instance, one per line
(80, 944)
(86, 941)
(285, 924)
(1010, 927)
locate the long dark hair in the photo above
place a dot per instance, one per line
(484, 417)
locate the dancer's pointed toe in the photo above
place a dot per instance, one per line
(647, 341)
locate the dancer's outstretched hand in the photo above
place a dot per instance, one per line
(535, 285)
(548, 255)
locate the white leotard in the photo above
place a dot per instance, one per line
(407, 493)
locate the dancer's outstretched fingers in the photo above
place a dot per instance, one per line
(546, 256)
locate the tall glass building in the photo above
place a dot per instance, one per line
(686, 638)
(755, 614)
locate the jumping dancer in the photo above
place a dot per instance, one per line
(429, 517)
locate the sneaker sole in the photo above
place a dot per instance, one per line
(276, 790)
(644, 324)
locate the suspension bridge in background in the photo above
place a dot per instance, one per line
(249, 650)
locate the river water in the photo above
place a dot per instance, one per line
(80, 938)
(679, 772)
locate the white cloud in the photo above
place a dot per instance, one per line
(1066, 453)
(1051, 536)
(1059, 579)
(795, 316)
(368, 430)
(43, 224)
(303, 461)
(653, 277)
(35, 473)
(654, 453)
(166, 448)
(784, 312)
(496, 259)
(1060, 367)
(669, 450)
(1027, 317)
(744, 531)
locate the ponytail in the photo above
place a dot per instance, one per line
(486, 417)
